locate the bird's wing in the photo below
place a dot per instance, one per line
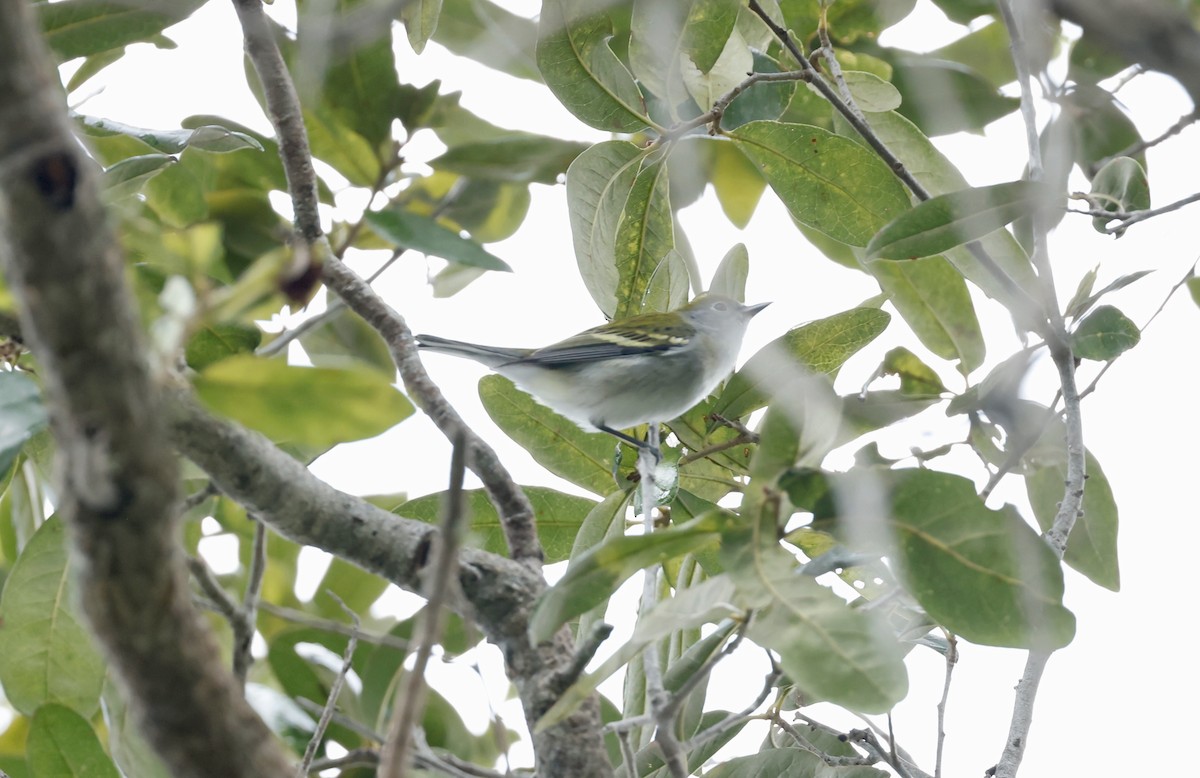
(636, 335)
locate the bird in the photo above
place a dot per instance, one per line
(651, 367)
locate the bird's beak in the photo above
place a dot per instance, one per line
(751, 310)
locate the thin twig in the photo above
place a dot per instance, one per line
(1138, 147)
(329, 625)
(696, 678)
(244, 628)
(713, 116)
(1126, 218)
(196, 498)
(835, 69)
(627, 754)
(394, 762)
(656, 695)
(335, 690)
(951, 661)
(359, 757)
(733, 719)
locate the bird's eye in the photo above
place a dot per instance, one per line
(720, 306)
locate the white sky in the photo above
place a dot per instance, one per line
(1131, 657)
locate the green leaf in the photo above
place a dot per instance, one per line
(940, 176)
(215, 342)
(645, 237)
(46, 654)
(1092, 545)
(1104, 334)
(730, 276)
(916, 377)
(986, 50)
(708, 27)
(656, 55)
(63, 744)
(79, 28)
(345, 340)
(819, 347)
(22, 415)
(703, 603)
(125, 178)
(489, 34)
(92, 65)
(730, 69)
(932, 297)
(598, 186)
(557, 444)
(826, 181)
(1120, 186)
(513, 157)
(788, 763)
(559, 518)
(828, 649)
(942, 97)
(1193, 285)
(420, 19)
(209, 137)
(177, 197)
(1084, 299)
(870, 92)
(575, 59)
(737, 182)
(954, 219)
(311, 406)
(594, 575)
(982, 574)
(419, 233)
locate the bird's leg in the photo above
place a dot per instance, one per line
(640, 445)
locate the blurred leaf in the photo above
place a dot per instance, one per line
(514, 157)
(489, 34)
(1104, 334)
(92, 65)
(313, 406)
(1193, 285)
(356, 587)
(575, 59)
(559, 518)
(1120, 186)
(826, 181)
(788, 763)
(766, 100)
(176, 196)
(209, 137)
(932, 297)
(63, 744)
(737, 182)
(730, 276)
(594, 575)
(916, 377)
(986, 50)
(829, 650)
(215, 342)
(46, 653)
(78, 28)
(942, 97)
(964, 11)
(411, 231)
(598, 185)
(983, 574)
(556, 443)
(420, 19)
(848, 21)
(1083, 292)
(730, 69)
(953, 219)
(21, 415)
(704, 603)
(818, 347)
(125, 178)
(345, 340)
(1099, 127)
(1092, 545)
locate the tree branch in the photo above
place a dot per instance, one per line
(283, 108)
(118, 490)
(498, 593)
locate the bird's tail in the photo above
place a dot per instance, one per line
(491, 356)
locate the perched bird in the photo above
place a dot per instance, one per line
(646, 368)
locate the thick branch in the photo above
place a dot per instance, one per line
(498, 593)
(118, 492)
